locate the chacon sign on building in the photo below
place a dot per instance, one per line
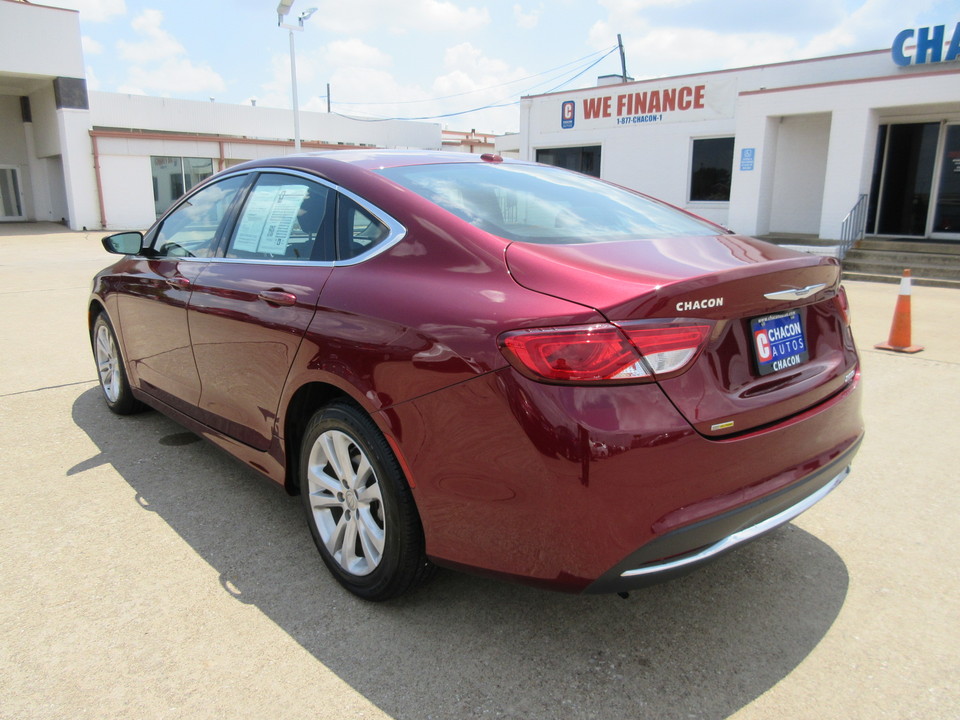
(674, 103)
(925, 45)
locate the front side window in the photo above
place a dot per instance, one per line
(710, 170)
(284, 217)
(192, 229)
(546, 205)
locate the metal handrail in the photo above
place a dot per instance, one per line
(854, 226)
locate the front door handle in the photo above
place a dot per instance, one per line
(178, 281)
(278, 297)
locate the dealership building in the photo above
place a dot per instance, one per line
(787, 148)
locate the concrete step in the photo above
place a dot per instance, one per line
(793, 239)
(921, 263)
(909, 246)
(877, 259)
(883, 278)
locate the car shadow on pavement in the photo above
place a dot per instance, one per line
(702, 646)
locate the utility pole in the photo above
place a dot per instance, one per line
(328, 97)
(623, 59)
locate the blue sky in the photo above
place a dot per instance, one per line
(420, 58)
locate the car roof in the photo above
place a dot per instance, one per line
(377, 159)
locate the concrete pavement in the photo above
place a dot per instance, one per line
(147, 575)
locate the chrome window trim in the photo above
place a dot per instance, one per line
(396, 230)
(268, 261)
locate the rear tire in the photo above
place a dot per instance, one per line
(110, 369)
(359, 507)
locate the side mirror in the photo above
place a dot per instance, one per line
(127, 243)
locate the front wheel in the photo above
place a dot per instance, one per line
(110, 370)
(359, 508)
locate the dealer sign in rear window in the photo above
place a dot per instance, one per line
(778, 341)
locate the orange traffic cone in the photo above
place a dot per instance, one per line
(900, 329)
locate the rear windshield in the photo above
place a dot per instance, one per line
(542, 204)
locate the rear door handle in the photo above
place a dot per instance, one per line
(278, 297)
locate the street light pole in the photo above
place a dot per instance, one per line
(293, 85)
(282, 9)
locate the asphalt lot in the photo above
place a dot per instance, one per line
(147, 575)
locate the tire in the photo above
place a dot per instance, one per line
(359, 507)
(110, 369)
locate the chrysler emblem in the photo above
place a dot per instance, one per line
(795, 293)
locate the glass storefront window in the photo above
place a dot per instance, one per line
(11, 206)
(711, 167)
(196, 170)
(173, 176)
(581, 159)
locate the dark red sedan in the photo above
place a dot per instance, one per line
(486, 364)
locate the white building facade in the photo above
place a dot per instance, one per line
(114, 161)
(789, 148)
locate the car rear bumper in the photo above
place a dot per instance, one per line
(685, 549)
(570, 487)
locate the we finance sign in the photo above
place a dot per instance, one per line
(650, 105)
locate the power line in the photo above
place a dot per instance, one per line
(490, 87)
(499, 104)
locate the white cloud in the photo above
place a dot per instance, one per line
(526, 20)
(472, 62)
(400, 17)
(93, 82)
(356, 53)
(92, 10)
(178, 75)
(156, 43)
(870, 26)
(363, 85)
(90, 46)
(158, 62)
(671, 37)
(443, 16)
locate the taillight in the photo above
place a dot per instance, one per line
(628, 352)
(843, 305)
(583, 353)
(670, 348)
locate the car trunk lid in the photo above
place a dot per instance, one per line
(755, 296)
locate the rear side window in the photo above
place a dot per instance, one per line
(538, 204)
(359, 231)
(284, 218)
(192, 230)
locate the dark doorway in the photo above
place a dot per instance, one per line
(909, 156)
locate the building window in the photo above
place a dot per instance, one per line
(11, 205)
(710, 170)
(173, 176)
(581, 159)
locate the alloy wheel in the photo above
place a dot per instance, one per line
(346, 502)
(108, 362)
